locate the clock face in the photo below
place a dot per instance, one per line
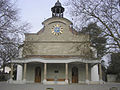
(57, 29)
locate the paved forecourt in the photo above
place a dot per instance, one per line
(7, 86)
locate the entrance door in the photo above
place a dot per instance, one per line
(74, 75)
(38, 74)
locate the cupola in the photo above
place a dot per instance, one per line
(57, 10)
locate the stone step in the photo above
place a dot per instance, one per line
(7, 86)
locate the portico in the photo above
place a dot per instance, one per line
(58, 71)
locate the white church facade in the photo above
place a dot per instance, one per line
(57, 54)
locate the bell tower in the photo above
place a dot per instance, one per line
(57, 10)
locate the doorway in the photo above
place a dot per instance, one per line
(37, 74)
(74, 75)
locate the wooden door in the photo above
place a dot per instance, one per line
(74, 75)
(38, 74)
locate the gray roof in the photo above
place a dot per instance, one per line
(57, 3)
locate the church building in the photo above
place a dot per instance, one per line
(57, 54)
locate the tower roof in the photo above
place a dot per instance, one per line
(57, 10)
(58, 3)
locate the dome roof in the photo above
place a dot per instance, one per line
(57, 10)
(57, 3)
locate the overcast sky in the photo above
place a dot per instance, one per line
(36, 11)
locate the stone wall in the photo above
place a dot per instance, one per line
(111, 78)
(81, 49)
(67, 43)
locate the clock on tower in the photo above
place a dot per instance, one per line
(57, 29)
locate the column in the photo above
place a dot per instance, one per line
(11, 74)
(66, 72)
(100, 72)
(45, 72)
(87, 80)
(25, 67)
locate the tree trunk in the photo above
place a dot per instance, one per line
(3, 68)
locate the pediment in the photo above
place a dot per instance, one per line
(48, 34)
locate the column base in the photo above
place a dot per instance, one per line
(66, 81)
(44, 81)
(87, 81)
(10, 80)
(24, 81)
(101, 82)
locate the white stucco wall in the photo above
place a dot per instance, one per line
(19, 72)
(51, 68)
(81, 72)
(94, 73)
(30, 73)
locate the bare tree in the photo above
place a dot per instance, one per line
(106, 13)
(7, 52)
(10, 25)
(11, 31)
